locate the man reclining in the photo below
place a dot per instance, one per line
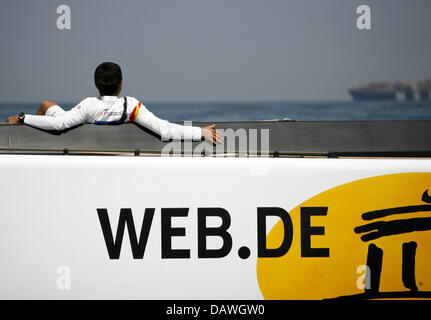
(109, 108)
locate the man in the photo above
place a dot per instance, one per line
(109, 108)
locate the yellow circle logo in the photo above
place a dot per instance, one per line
(370, 238)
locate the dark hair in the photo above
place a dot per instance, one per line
(107, 78)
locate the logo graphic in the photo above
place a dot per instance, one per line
(382, 222)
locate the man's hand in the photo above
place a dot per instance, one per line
(211, 134)
(12, 119)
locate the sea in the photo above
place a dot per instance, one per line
(246, 111)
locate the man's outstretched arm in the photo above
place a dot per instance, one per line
(68, 119)
(43, 108)
(168, 130)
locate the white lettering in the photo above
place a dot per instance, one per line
(63, 21)
(364, 280)
(364, 20)
(64, 280)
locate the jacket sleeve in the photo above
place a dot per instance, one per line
(165, 129)
(71, 118)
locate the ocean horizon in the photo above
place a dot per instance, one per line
(251, 111)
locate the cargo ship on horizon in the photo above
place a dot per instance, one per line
(393, 91)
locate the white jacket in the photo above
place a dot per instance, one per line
(107, 109)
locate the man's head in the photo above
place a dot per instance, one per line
(108, 79)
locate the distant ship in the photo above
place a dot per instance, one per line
(397, 91)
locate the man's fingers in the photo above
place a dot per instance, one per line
(219, 137)
(214, 131)
(212, 135)
(216, 136)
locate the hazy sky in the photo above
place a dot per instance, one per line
(211, 50)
